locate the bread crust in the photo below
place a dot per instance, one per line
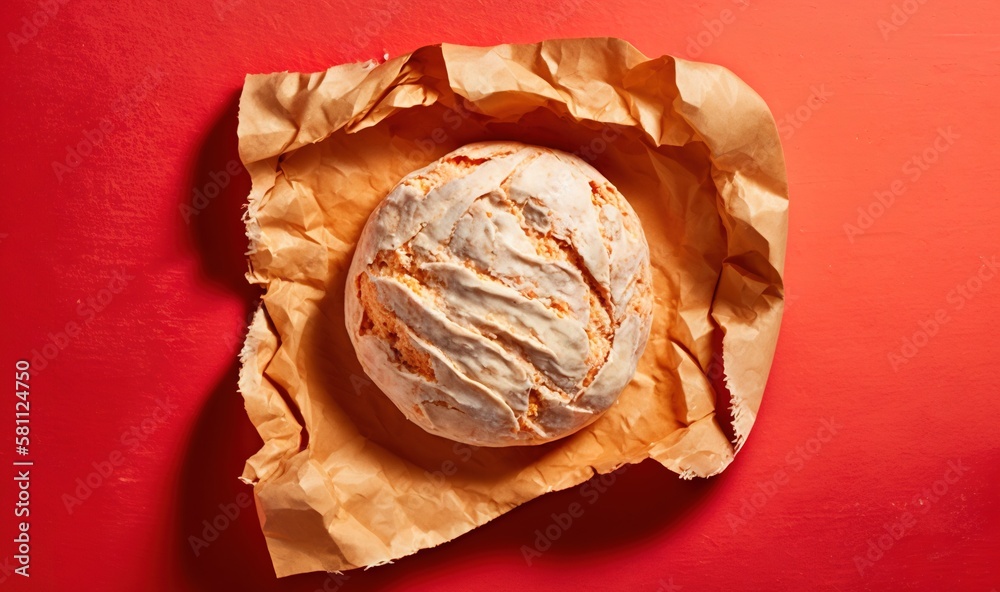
(501, 295)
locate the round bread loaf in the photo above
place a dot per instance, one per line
(501, 295)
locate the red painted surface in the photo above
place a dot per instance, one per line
(158, 81)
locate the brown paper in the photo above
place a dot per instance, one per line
(343, 479)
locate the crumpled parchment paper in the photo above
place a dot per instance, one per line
(343, 480)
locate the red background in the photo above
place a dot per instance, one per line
(173, 331)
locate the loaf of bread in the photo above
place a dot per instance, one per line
(501, 295)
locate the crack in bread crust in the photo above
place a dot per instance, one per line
(381, 322)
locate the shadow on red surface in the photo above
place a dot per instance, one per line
(218, 539)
